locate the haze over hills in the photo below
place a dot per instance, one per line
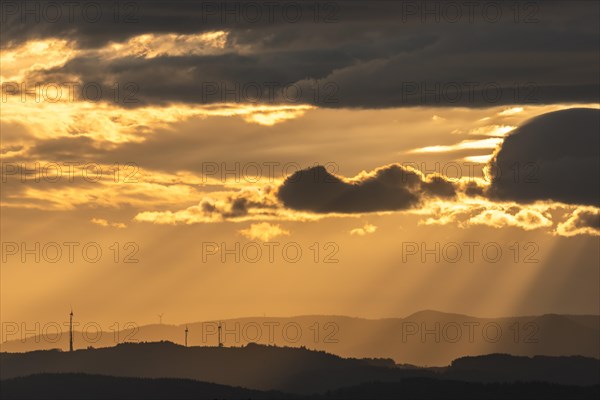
(286, 369)
(426, 338)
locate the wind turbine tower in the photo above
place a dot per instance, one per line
(71, 330)
(186, 335)
(220, 341)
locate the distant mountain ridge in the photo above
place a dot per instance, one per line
(423, 338)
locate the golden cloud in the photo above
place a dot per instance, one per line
(105, 223)
(583, 221)
(263, 231)
(527, 219)
(105, 122)
(366, 229)
(170, 44)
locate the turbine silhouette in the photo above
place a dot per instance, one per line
(71, 330)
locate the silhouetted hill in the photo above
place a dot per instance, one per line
(254, 366)
(424, 338)
(423, 388)
(82, 386)
(293, 370)
(503, 367)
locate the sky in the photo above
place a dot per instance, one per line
(370, 159)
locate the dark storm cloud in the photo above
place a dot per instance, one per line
(368, 54)
(555, 156)
(389, 188)
(95, 23)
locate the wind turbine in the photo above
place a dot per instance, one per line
(219, 336)
(71, 330)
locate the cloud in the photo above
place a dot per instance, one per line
(75, 183)
(554, 156)
(389, 188)
(151, 46)
(263, 231)
(249, 204)
(105, 223)
(526, 219)
(583, 221)
(377, 57)
(511, 111)
(99, 221)
(217, 207)
(366, 229)
(474, 188)
(489, 143)
(481, 211)
(540, 215)
(107, 122)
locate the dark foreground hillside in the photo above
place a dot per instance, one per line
(424, 388)
(82, 386)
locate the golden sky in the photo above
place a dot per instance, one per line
(201, 200)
